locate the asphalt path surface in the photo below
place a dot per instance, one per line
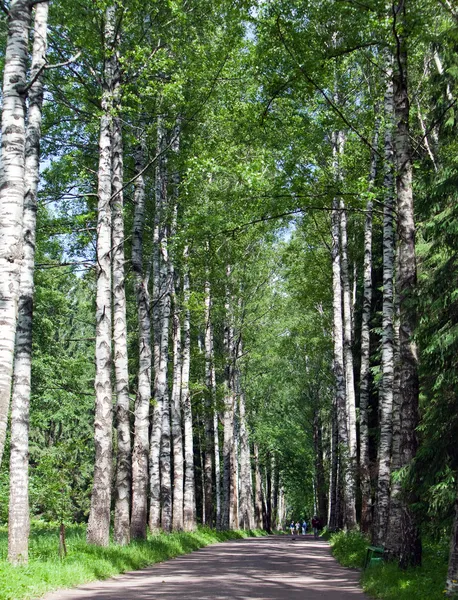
(269, 568)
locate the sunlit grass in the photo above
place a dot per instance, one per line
(386, 581)
(46, 571)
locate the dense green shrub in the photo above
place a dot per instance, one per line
(349, 548)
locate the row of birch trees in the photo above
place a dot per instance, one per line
(236, 183)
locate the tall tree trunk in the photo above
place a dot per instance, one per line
(18, 514)
(217, 459)
(451, 585)
(246, 486)
(228, 425)
(98, 530)
(12, 189)
(177, 436)
(258, 490)
(175, 401)
(124, 447)
(334, 494)
(268, 494)
(364, 387)
(349, 373)
(393, 539)
(319, 466)
(142, 401)
(406, 283)
(209, 410)
(189, 482)
(156, 428)
(386, 391)
(163, 396)
(349, 508)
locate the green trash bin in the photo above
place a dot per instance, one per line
(374, 556)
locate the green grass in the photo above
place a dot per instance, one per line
(386, 581)
(46, 572)
(349, 548)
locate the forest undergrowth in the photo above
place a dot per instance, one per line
(387, 581)
(46, 571)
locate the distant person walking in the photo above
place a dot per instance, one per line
(304, 527)
(298, 528)
(316, 524)
(292, 527)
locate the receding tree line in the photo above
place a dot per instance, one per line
(186, 419)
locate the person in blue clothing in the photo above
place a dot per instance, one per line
(292, 527)
(304, 527)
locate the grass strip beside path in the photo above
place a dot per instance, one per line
(387, 581)
(84, 563)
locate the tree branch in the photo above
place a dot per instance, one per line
(44, 67)
(330, 102)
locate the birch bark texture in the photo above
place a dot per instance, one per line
(406, 283)
(18, 515)
(189, 505)
(349, 372)
(379, 531)
(349, 511)
(142, 401)
(176, 413)
(121, 370)
(156, 427)
(364, 387)
(175, 401)
(98, 531)
(209, 408)
(12, 189)
(246, 517)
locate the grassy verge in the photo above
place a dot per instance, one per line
(387, 581)
(46, 572)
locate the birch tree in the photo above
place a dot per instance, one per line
(189, 505)
(142, 401)
(156, 428)
(18, 516)
(406, 282)
(209, 408)
(387, 367)
(124, 448)
(98, 531)
(364, 386)
(12, 188)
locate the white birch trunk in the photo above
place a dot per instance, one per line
(18, 514)
(258, 490)
(189, 478)
(406, 283)
(339, 370)
(386, 390)
(177, 437)
(162, 390)
(364, 461)
(209, 409)
(124, 447)
(217, 461)
(98, 530)
(393, 539)
(175, 405)
(142, 402)
(156, 428)
(348, 362)
(246, 518)
(12, 189)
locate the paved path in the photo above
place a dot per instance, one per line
(274, 567)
